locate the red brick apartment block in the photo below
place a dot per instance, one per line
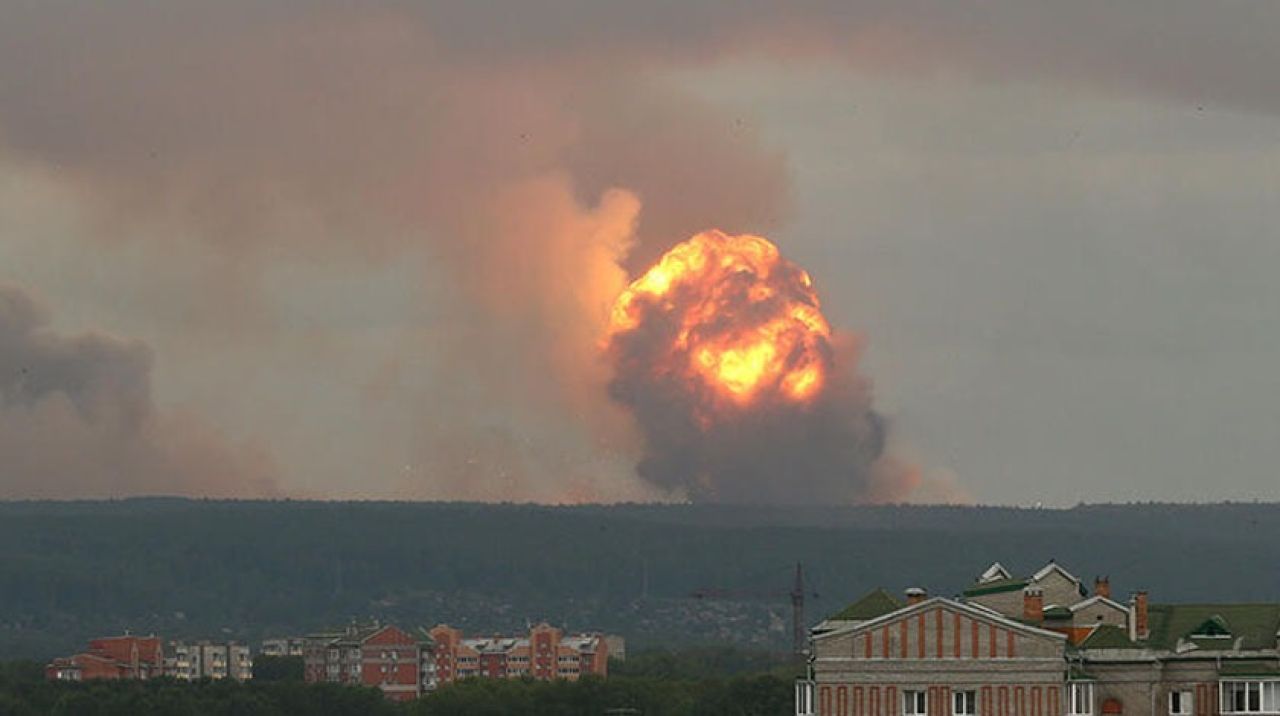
(120, 657)
(545, 654)
(385, 657)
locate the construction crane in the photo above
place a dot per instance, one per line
(797, 594)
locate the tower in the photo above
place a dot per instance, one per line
(798, 640)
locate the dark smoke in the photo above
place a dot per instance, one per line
(77, 418)
(831, 449)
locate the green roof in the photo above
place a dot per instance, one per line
(1255, 624)
(1108, 636)
(1211, 627)
(995, 587)
(1056, 612)
(875, 604)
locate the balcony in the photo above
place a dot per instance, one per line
(804, 698)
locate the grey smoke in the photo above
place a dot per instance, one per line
(77, 418)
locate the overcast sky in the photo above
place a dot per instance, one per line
(266, 248)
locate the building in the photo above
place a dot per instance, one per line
(285, 646)
(1042, 645)
(120, 657)
(544, 654)
(374, 655)
(617, 647)
(208, 660)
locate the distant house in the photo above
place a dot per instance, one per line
(120, 657)
(1042, 645)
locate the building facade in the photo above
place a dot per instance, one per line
(189, 661)
(283, 646)
(1042, 645)
(545, 654)
(385, 657)
(120, 657)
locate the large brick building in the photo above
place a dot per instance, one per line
(375, 655)
(1042, 645)
(545, 654)
(118, 657)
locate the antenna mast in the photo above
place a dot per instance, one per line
(798, 640)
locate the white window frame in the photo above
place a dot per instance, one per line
(915, 702)
(1266, 691)
(804, 698)
(962, 699)
(1185, 703)
(1080, 698)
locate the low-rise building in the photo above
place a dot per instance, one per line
(1042, 645)
(120, 657)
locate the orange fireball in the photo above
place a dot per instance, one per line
(736, 317)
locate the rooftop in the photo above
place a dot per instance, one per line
(995, 586)
(1254, 625)
(876, 603)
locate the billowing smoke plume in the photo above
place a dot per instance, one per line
(76, 417)
(481, 140)
(723, 355)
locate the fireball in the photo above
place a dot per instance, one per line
(736, 322)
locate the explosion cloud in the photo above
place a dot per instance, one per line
(721, 352)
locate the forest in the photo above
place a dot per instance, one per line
(659, 575)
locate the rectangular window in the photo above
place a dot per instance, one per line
(914, 703)
(1251, 697)
(1181, 703)
(1080, 698)
(964, 703)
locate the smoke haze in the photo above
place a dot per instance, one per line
(503, 166)
(76, 418)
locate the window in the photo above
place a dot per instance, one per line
(804, 698)
(1080, 698)
(964, 703)
(914, 703)
(1251, 697)
(1180, 703)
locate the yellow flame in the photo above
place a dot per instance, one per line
(747, 320)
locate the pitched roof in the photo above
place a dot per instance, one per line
(994, 572)
(995, 586)
(1095, 599)
(1050, 568)
(976, 610)
(1255, 625)
(1108, 636)
(876, 603)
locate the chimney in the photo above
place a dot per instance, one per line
(1033, 605)
(1102, 586)
(1138, 613)
(915, 595)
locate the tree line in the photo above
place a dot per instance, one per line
(25, 692)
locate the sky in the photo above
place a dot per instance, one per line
(334, 250)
